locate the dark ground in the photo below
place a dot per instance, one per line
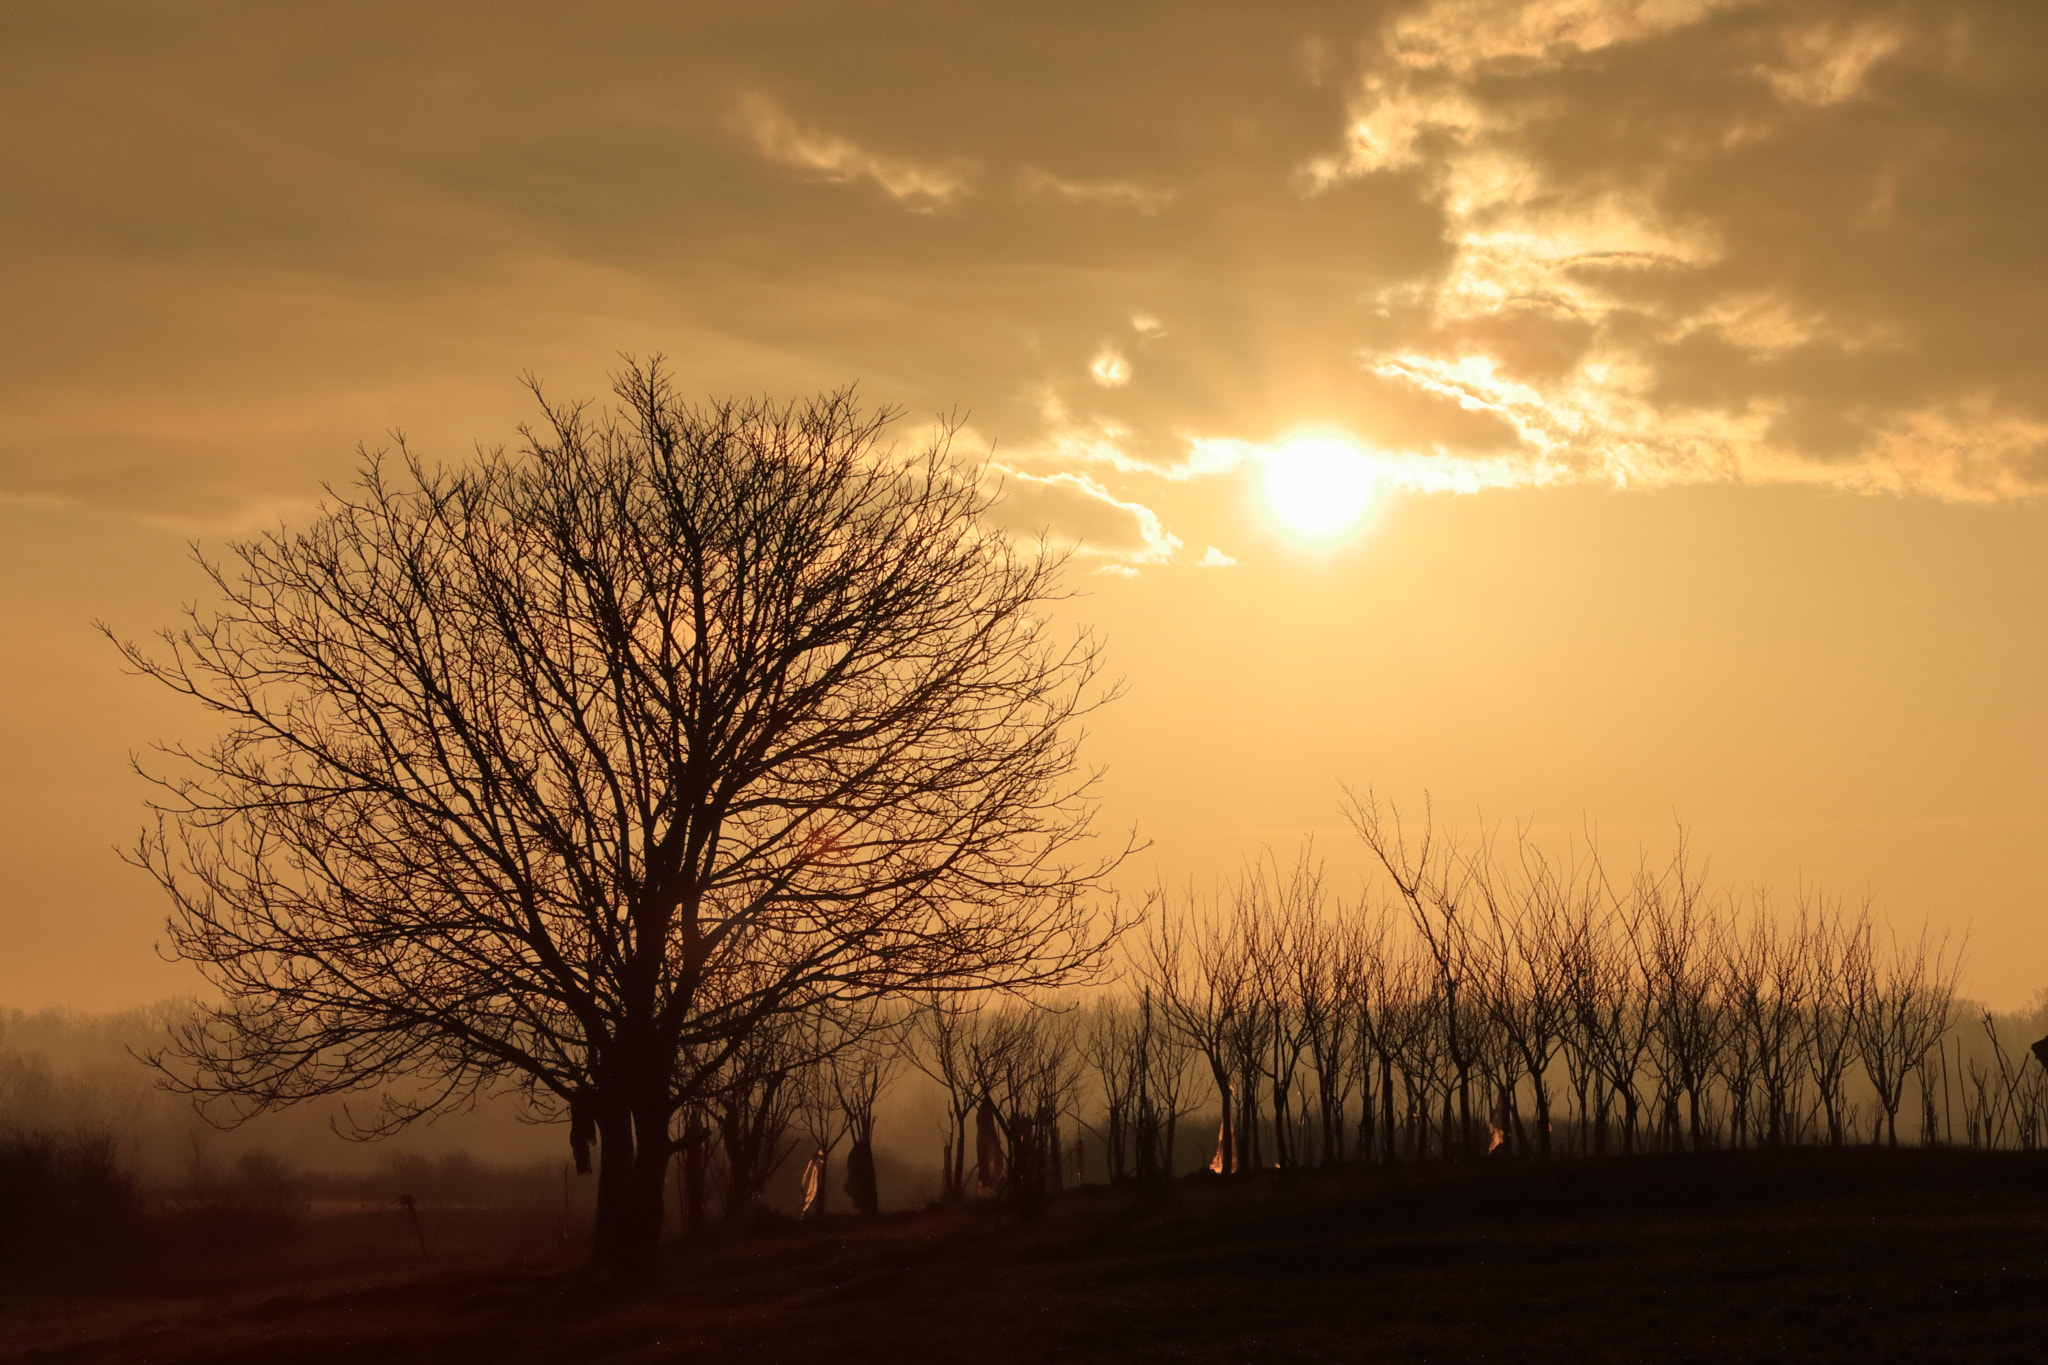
(1860, 1255)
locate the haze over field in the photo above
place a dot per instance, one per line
(1586, 410)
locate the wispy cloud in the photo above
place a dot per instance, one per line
(781, 139)
(1828, 63)
(1105, 445)
(1075, 509)
(1034, 183)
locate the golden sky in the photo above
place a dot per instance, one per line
(1687, 357)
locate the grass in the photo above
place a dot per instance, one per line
(1863, 1255)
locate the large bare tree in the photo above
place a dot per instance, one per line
(566, 769)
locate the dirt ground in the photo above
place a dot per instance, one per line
(1860, 1255)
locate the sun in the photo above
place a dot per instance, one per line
(1319, 484)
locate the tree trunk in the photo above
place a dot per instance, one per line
(696, 1161)
(1387, 1110)
(1226, 1131)
(1145, 1141)
(860, 1178)
(633, 1156)
(1249, 1152)
(1284, 1153)
(614, 1178)
(957, 1191)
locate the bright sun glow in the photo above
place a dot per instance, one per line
(1319, 484)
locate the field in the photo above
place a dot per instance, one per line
(1863, 1255)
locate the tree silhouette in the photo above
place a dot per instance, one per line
(567, 770)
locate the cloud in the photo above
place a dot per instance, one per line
(1706, 242)
(1103, 447)
(1033, 182)
(1110, 369)
(1075, 509)
(1827, 62)
(778, 137)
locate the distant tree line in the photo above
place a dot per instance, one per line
(1511, 1002)
(1494, 1001)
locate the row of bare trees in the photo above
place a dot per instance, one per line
(1494, 997)
(1505, 997)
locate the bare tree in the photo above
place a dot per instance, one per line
(2005, 1095)
(1327, 980)
(1830, 1033)
(1530, 998)
(1680, 940)
(1390, 1016)
(1249, 1023)
(1744, 974)
(1282, 941)
(1433, 879)
(1616, 1010)
(1166, 1093)
(860, 1074)
(749, 1106)
(1028, 1070)
(981, 1052)
(1900, 1010)
(1115, 1043)
(1780, 1021)
(941, 1047)
(566, 770)
(1201, 989)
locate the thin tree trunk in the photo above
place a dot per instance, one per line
(1387, 1110)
